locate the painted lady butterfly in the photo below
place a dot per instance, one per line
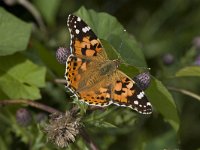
(95, 79)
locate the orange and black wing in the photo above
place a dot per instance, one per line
(128, 94)
(84, 42)
(75, 68)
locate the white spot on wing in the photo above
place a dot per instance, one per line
(85, 29)
(135, 102)
(77, 31)
(141, 95)
(148, 104)
(78, 19)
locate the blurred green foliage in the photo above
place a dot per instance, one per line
(28, 68)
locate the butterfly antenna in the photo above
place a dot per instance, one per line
(120, 46)
(118, 55)
(144, 69)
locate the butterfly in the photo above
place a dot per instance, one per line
(95, 79)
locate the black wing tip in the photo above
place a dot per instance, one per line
(70, 16)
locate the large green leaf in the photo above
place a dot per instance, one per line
(163, 102)
(47, 58)
(14, 33)
(20, 78)
(189, 71)
(108, 28)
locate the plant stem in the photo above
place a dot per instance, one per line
(88, 140)
(60, 81)
(30, 103)
(186, 92)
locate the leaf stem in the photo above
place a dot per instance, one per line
(186, 92)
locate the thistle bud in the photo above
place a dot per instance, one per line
(168, 59)
(197, 61)
(62, 54)
(143, 80)
(23, 117)
(196, 43)
(62, 129)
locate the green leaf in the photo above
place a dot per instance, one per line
(2, 144)
(110, 51)
(20, 78)
(167, 140)
(113, 54)
(163, 102)
(47, 58)
(189, 71)
(108, 28)
(14, 33)
(48, 9)
(189, 56)
(103, 124)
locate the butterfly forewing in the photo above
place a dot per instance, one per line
(83, 39)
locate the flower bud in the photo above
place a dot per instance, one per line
(62, 129)
(23, 117)
(197, 61)
(196, 43)
(62, 54)
(143, 80)
(168, 59)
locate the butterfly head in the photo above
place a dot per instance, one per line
(117, 62)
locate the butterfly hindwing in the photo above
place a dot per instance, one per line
(98, 96)
(128, 94)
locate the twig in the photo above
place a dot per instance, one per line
(60, 81)
(31, 8)
(30, 103)
(88, 140)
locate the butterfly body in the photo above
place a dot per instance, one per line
(95, 79)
